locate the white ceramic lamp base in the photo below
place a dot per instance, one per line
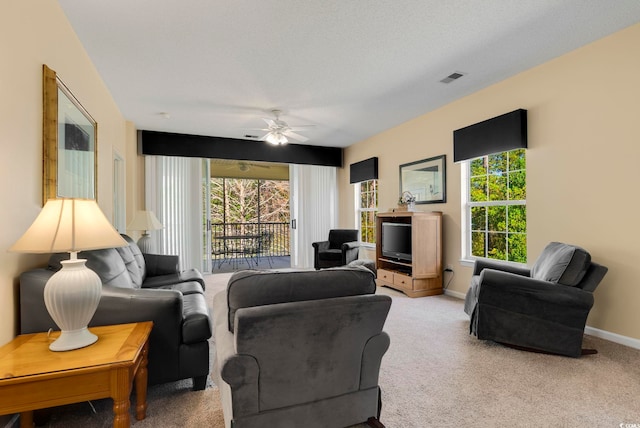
(145, 244)
(72, 295)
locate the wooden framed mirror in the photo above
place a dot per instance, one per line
(70, 143)
(425, 180)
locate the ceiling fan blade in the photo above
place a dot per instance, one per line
(301, 127)
(270, 122)
(295, 136)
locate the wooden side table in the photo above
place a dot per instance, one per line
(33, 377)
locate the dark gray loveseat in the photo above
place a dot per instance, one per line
(299, 348)
(544, 308)
(138, 287)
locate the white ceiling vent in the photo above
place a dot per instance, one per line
(453, 76)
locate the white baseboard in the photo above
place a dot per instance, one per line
(602, 334)
(613, 337)
(455, 294)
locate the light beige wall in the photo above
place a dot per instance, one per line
(584, 147)
(33, 33)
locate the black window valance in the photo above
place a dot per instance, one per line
(363, 170)
(502, 133)
(170, 144)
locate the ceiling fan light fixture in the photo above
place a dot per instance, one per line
(276, 138)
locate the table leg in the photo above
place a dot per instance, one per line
(141, 384)
(121, 390)
(26, 419)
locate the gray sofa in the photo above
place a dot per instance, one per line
(138, 287)
(300, 348)
(541, 309)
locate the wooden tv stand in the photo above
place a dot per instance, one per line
(423, 275)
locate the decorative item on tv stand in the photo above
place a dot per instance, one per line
(72, 294)
(145, 221)
(406, 202)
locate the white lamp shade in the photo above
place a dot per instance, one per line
(145, 220)
(69, 225)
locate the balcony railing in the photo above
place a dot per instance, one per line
(236, 239)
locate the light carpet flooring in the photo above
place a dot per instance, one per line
(437, 375)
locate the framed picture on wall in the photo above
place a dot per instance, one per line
(69, 143)
(425, 180)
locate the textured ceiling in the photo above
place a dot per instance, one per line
(351, 68)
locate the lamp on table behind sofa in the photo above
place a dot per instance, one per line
(73, 293)
(145, 221)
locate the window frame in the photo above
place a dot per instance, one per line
(467, 258)
(359, 210)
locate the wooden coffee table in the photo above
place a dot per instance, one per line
(33, 377)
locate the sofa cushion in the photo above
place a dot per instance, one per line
(137, 254)
(331, 254)
(256, 288)
(561, 263)
(190, 287)
(132, 265)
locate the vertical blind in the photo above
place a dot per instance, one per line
(173, 193)
(313, 207)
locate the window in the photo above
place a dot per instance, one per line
(496, 211)
(367, 208)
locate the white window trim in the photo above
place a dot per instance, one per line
(358, 210)
(466, 259)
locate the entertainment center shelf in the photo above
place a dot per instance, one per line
(422, 275)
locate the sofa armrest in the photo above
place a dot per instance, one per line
(117, 306)
(238, 389)
(241, 373)
(372, 358)
(481, 264)
(161, 264)
(350, 245)
(350, 252)
(320, 245)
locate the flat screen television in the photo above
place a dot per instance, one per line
(396, 241)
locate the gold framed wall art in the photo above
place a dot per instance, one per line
(70, 143)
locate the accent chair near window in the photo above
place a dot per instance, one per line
(542, 309)
(340, 249)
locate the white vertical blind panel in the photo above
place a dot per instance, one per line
(173, 193)
(315, 200)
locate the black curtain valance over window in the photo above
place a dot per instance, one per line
(363, 170)
(502, 133)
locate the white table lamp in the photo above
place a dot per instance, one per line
(72, 294)
(145, 221)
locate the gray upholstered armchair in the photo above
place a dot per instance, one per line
(300, 348)
(340, 249)
(542, 309)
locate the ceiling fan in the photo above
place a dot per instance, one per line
(246, 166)
(278, 130)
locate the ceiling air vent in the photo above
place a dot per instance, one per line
(250, 136)
(453, 76)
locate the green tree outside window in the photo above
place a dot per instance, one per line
(497, 206)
